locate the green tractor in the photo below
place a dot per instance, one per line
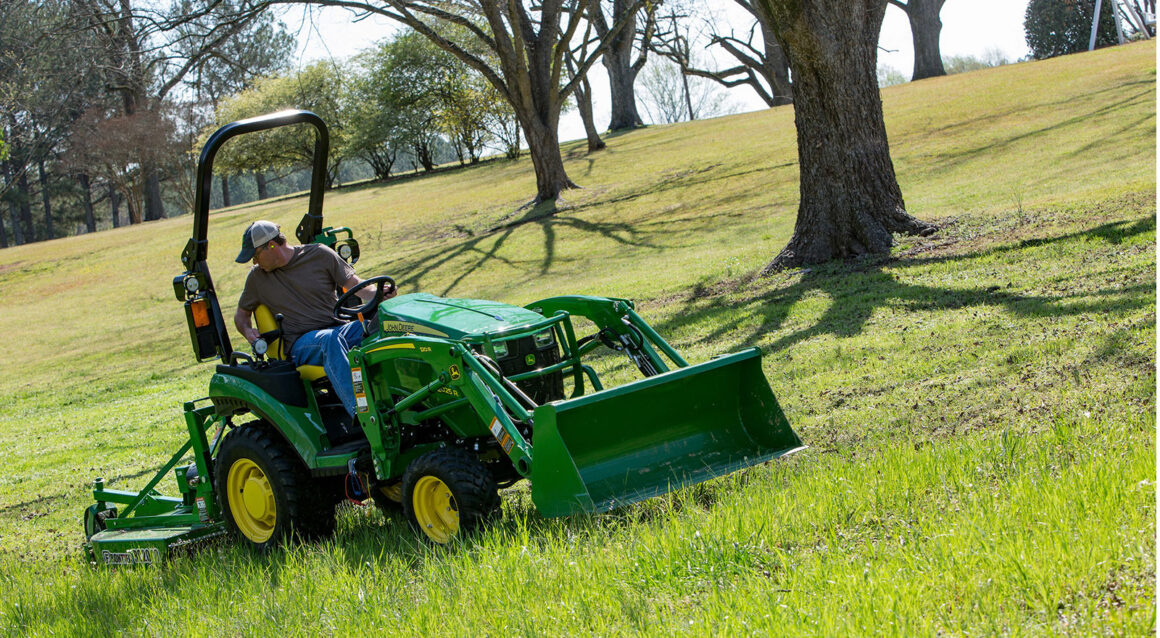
(456, 398)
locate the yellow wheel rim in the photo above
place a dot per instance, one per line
(251, 499)
(435, 509)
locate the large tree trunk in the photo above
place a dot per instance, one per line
(618, 61)
(621, 81)
(850, 199)
(48, 232)
(544, 147)
(260, 178)
(133, 203)
(3, 233)
(423, 155)
(925, 27)
(87, 200)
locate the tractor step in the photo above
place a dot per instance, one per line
(147, 545)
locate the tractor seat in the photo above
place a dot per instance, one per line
(266, 323)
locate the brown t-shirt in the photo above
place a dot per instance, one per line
(303, 290)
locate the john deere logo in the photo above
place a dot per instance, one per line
(454, 372)
(530, 359)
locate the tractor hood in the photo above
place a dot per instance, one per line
(426, 314)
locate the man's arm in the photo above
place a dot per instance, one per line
(243, 322)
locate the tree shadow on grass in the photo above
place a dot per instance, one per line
(484, 248)
(480, 250)
(857, 289)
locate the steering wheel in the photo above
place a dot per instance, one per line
(383, 284)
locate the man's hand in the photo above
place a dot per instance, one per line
(242, 321)
(368, 293)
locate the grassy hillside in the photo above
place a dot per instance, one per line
(980, 407)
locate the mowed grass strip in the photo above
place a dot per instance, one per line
(980, 407)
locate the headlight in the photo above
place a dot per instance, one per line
(544, 338)
(344, 251)
(191, 284)
(500, 348)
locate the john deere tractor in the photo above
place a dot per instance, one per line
(456, 399)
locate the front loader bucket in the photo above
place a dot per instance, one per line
(639, 440)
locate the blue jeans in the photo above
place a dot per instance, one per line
(328, 348)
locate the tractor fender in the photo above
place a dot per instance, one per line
(300, 426)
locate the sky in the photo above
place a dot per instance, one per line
(970, 27)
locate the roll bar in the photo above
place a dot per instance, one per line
(207, 327)
(311, 224)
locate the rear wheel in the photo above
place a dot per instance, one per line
(264, 491)
(448, 493)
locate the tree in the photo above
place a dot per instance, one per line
(527, 44)
(317, 88)
(146, 51)
(761, 62)
(671, 96)
(375, 130)
(620, 47)
(118, 148)
(850, 199)
(925, 27)
(1059, 27)
(231, 68)
(46, 77)
(403, 92)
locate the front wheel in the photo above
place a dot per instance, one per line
(448, 493)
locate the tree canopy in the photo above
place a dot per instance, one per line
(1059, 27)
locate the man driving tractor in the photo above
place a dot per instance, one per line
(300, 283)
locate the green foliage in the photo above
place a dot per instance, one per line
(394, 101)
(318, 88)
(1059, 27)
(979, 408)
(963, 63)
(409, 96)
(890, 76)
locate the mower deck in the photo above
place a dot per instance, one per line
(147, 545)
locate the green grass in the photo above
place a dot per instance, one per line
(980, 408)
